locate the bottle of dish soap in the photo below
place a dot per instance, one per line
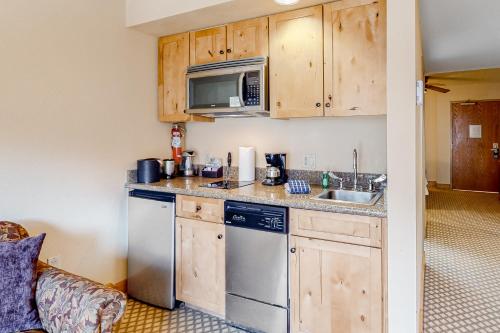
(325, 180)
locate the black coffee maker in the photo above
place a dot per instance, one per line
(275, 170)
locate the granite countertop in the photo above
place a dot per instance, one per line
(258, 193)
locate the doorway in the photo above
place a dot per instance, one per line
(475, 139)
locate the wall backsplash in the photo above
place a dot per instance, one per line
(331, 140)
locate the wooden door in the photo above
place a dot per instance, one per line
(296, 63)
(355, 57)
(475, 129)
(173, 60)
(336, 287)
(248, 39)
(208, 45)
(200, 264)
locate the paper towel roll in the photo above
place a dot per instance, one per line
(246, 164)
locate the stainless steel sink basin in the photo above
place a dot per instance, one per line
(357, 197)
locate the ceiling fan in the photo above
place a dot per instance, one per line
(435, 88)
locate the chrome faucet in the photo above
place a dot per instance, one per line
(355, 167)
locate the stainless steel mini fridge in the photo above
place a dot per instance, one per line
(151, 248)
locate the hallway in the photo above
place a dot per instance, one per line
(462, 281)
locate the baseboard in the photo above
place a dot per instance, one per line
(435, 184)
(422, 293)
(121, 286)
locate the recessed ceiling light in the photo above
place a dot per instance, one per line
(286, 2)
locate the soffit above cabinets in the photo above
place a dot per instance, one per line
(167, 17)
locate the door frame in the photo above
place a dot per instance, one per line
(451, 136)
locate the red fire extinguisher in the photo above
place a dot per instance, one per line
(177, 144)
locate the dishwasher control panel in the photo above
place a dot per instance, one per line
(256, 216)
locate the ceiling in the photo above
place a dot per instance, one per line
(460, 35)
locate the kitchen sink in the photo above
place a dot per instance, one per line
(357, 197)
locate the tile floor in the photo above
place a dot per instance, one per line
(462, 281)
(142, 318)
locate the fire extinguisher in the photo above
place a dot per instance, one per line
(177, 143)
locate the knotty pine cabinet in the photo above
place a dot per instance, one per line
(296, 63)
(244, 39)
(336, 287)
(200, 264)
(336, 273)
(173, 60)
(355, 57)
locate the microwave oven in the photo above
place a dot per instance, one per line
(228, 89)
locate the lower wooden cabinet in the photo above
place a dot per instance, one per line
(200, 264)
(336, 287)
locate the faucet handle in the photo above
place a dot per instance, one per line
(380, 179)
(335, 177)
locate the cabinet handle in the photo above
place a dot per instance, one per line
(354, 108)
(318, 105)
(292, 250)
(219, 236)
(228, 50)
(198, 208)
(221, 51)
(330, 97)
(210, 52)
(327, 105)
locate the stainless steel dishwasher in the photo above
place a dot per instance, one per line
(151, 247)
(257, 296)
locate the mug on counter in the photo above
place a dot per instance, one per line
(169, 168)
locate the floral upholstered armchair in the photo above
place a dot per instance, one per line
(67, 302)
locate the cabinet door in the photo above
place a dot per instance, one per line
(200, 264)
(355, 58)
(173, 60)
(296, 63)
(336, 287)
(248, 39)
(208, 45)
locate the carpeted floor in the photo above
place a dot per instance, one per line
(462, 281)
(142, 318)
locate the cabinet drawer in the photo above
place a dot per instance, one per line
(354, 229)
(198, 208)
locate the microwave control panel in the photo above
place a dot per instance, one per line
(252, 91)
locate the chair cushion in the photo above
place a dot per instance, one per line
(18, 308)
(10, 231)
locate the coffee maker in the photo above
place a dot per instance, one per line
(276, 169)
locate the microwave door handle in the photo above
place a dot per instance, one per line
(240, 89)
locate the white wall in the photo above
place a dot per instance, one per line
(77, 108)
(405, 167)
(330, 139)
(438, 122)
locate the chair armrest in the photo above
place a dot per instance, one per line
(70, 303)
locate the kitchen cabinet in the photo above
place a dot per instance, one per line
(355, 57)
(346, 228)
(336, 287)
(247, 39)
(173, 60)
(208, 45)
(200, 264)
(296, 63)
(198, 208)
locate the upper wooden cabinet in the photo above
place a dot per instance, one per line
(355, 57)
(208, 45)
(296, 63)
(336, 287)
(247, 39)
(173, 60)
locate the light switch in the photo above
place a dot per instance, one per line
(310, 161)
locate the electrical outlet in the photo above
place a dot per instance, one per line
(54, 261)
(309, 161)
